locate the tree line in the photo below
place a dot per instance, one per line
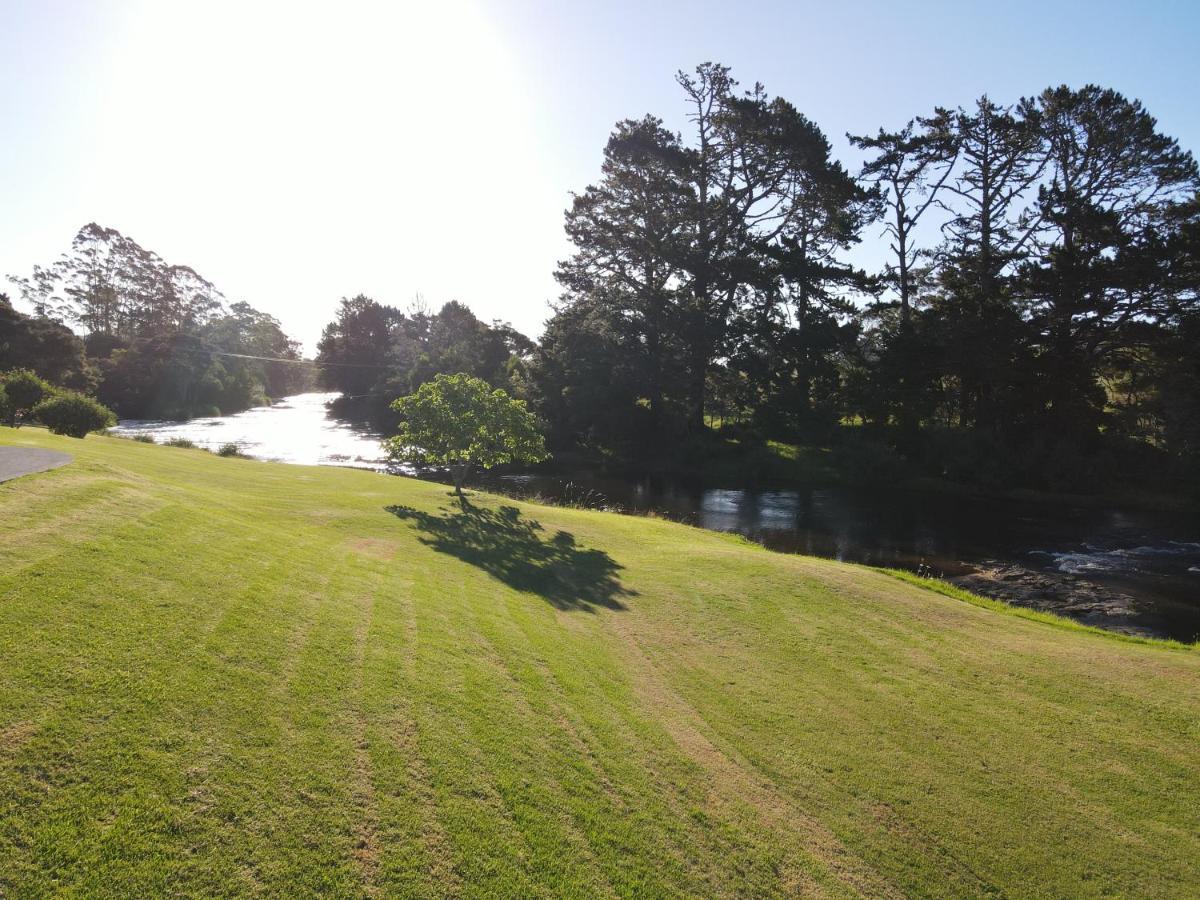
(161, 341)
(373, 353)
(1036, 318)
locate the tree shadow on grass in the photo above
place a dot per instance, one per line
(511, 548)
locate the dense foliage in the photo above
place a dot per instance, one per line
(162, 341)
(73, 414)
(1032, 325)
(460, 423)
(373, 353)
(43, 345)
(1035, 321)
(26, 397)
(23, 390)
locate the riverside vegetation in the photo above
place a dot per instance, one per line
(1033, 321)
(226, 677)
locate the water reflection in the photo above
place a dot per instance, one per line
(296, 429)
(1137, 571)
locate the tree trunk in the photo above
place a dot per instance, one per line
(654, 352)
(459, 472)
(902, 261)
(699, 387)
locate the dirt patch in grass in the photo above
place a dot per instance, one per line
(14, 736)
(373, 548)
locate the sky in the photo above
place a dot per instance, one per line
(295, 153)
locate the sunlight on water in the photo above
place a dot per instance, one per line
(1162, 559)
(295, 429)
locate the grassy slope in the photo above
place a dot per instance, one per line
(227, 676)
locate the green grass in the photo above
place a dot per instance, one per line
(225, 677)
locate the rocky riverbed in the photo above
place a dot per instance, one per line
(1058, 592)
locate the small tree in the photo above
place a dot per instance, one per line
(461, 422)
(72, 414)
(24, 391)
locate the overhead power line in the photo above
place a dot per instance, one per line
(209, 348)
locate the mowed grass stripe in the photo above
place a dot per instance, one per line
(236, 678)
(945, 736)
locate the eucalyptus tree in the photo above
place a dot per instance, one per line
(41, 291)
(160, 337)
(113, 287)
(97, 274)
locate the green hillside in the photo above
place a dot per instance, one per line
(220, 676)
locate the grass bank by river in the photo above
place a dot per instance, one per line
(226, 676)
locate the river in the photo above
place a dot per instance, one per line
(1131, 571)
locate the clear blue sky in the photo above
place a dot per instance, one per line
(295, 153)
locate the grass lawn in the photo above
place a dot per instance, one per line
(220, 676)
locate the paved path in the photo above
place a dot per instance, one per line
(18, 461)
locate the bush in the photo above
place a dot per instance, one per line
(72, 414)
(969, 457)
(143, 438)
(6, 409)
(180, 442)
(24, 391)
(863, 461)
(230, 449)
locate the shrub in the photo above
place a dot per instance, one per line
(230, 449)
(24, 391)
(143, 438)
(5, 406)
(970, 457)
(867, 462)
(180, 442)
(73, 414)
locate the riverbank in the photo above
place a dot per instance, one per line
(764, 465)
(847, 503)
(226, 676)
(301, 429)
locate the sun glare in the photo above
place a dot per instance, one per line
(406, 121)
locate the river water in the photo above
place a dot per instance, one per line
(293, 430)
(1131, 571)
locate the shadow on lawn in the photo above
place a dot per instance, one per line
(511, 549)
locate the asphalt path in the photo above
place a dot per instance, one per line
(18, 461)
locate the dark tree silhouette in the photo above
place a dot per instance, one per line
(1043, 275)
